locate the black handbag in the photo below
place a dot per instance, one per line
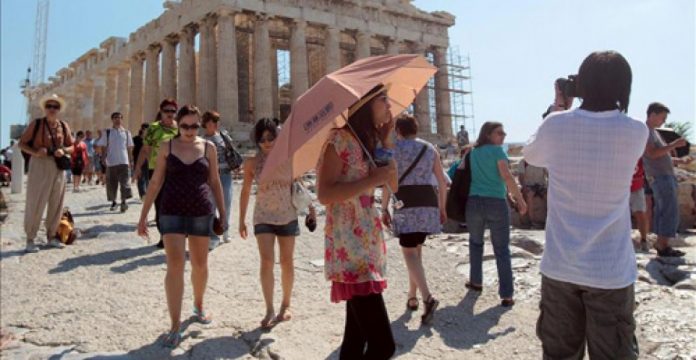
(62, 162)
(416, 195)
(233, 158)
(458, 194)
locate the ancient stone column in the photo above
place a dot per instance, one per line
(393, 47)
(207, 66)
(110, 93)
(152, 93)
(186, 91)
(362, 47)
(227, 84)
(299, 73)
(333, 49)
(136, 93)
(263, 103)
(98, 118)
(122, 93)
(168, 89)
(442, 96)
(422, 102)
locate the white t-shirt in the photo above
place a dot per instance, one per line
(590, 158)
(120, 142)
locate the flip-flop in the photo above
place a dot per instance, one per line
(201, 317)
(173, 339)
(430, 307)
(270, 323)
(286, 317)
(412, 304)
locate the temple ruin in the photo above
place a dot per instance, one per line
(222, 55)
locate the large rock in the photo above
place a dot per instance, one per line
(686, 194)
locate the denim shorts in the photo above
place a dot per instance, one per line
(290, 229)
(187, 225)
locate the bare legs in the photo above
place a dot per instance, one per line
(266, 243)
(76, 182)
(175, 249)
(416, 273)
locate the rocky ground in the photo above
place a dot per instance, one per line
(103, 298)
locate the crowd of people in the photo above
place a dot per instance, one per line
(584, 158)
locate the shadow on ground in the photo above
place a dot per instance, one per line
(93, 232)
(110, 257)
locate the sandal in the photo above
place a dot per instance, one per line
(669, 252)
(507, 302)
(201, 317)
(283, 315)
(472, 286)
(430, 307)
(412, 304)
(173, 339)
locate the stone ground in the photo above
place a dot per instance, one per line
(103, 298)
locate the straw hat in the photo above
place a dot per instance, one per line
(52, 97)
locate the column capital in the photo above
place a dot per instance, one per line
(226, 13)
(262, 18)
(154, 48)
(171, 39)
(138, 57)
(209, 21)
(189, 30)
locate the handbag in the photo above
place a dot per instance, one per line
(301, 198)
(218, 229)
(62, 162)
(416, 195)
(458, 194)
(233, 158)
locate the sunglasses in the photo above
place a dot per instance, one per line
(195, 126)
(169, 111)
(266, 139)
(52, 107)
(501, 133)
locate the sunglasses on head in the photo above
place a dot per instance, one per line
(52, 107)
(169, 111)
(265, 139)
(195, 126)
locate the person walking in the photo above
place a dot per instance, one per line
(89, 168)
(79, 160)
(137, 146)
(117, 147)
(462, 137)
(164, 129)
(659, 169)
(185, 176)
(487, 207)
(355, 253)
(274, 218)
(223, 144)
(99, 165)
(589, 267)
(423, 191)
(47, 140)
(638, 206)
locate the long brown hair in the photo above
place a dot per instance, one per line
(363, 124)
(487, 129)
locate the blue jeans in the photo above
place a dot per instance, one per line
(226, 181)
(666, 213)
(143, 181)
(482, 212)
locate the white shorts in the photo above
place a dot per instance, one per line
(637, 201)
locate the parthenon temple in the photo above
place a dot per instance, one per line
(223, 55)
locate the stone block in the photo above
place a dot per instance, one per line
(687, 218)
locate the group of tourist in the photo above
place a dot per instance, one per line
(588, 153)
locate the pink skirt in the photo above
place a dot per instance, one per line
(343, 291)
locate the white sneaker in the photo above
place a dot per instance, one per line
(213, 243)
(56, 244)
(227, 239)
(31, 247)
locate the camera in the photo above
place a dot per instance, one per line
(568, 86)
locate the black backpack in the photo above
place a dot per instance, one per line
(233, 158)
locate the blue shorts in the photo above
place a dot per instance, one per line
(290, 229)
(666, 213)
(187, 225)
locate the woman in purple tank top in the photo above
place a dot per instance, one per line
(186, 174)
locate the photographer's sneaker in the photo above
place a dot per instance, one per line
(113, 206)
(31, 247)
(56, 244)
(227, 239)
(124, 207)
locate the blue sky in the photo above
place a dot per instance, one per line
(517, 48)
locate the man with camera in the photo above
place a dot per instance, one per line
(659, 170)
(589, 266)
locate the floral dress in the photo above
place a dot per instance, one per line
(355, 252)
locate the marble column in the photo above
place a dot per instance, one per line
(227, 81)
(299, 72)
(168, 89)
(136, 93)
(362, 45)
(422, 102)
(110, 93)
(122, 93)
(393, 46)
(263, 103)
(186, 91)
(333, 49)
(84, 114)
(152, 93)
(206, 65)
(442, 95)
(98, 118)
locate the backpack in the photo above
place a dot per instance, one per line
(233, 158)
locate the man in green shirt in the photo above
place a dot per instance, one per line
(162, 130)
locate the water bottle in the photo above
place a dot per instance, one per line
(383, 156)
